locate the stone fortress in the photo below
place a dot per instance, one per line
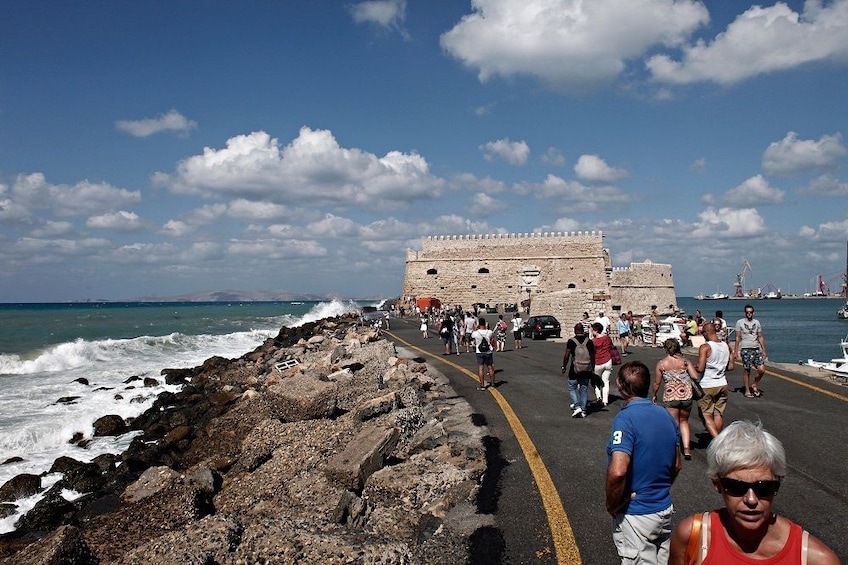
(563, 274)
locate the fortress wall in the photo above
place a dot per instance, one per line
(567, 274)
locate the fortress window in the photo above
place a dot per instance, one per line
(572, 285)
(432, 272)
(483, 271)
(473, 286)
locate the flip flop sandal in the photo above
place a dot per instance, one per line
(757, 393)
(749, 395)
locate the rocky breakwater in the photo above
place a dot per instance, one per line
(320, 446)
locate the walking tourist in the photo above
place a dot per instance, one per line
(500, 333)
(423, 327)
(446, 332)
(720, 325)
(516, 329)
(581, 352)
(482, 337)
(673, 376)
(603, 363)
(624, 330)
(643, 461)
(604, 321)
(750, 347)
(746, 465)
(655, 325)
(470, 322)
(587, 323)
(714, 359)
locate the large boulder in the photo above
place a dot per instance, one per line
(20, 486)
(303, 397)
(63, 546)
(110, 425)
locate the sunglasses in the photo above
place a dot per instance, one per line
(763, 489)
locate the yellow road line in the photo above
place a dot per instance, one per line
(565, 545)
(815, 388)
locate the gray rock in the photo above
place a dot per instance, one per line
(20, 486)
(364, 455)
(110, 425)
(302, 397)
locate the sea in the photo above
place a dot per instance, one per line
(45, 348)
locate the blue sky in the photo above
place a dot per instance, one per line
(161, 148)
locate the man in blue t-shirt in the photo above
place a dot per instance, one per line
(644, 460)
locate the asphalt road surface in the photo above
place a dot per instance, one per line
(545, 483)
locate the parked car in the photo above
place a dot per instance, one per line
(540, 327)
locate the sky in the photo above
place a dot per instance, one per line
(166, 147)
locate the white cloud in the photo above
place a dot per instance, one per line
(173, 121)
(698, 165)
(255, 211)
(553, 157)
(120, 221)
(484, 205)
(792, 155)
(826, 185)
(84, 198)
(389, 14)
(276, 249)
(50, 228)
(567, 43)
(566, 225)
(312, 168)
(729, 223)
(589, 198)
(761, 40)
(755, 191)
(594, 169)
(513, 152)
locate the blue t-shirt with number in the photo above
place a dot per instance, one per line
(646, 432)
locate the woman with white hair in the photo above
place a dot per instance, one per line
(746, 465)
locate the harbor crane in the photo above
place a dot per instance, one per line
(739, 284)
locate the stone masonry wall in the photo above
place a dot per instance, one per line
(567, 274)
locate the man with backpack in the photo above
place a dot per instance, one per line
(482, 338)
(581, 352)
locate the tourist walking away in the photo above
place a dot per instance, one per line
(446, 332)
(470, 322)
(482, 337)
(720, 325)
(714, 360)
(750, 347)
(423, 327)
(516, 329)
(746, 465)
(581, 352)
(603, 363)
(673, 378)
(643, 461)
(624, 330)
(500, 333)
(458, 330)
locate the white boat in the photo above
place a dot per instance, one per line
(837, 366)
(713, 296)
(842, 313)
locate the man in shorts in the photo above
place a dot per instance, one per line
(485, 357)
(750, 347)
(714, 359)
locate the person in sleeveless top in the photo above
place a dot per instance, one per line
(746, 465)
(673, 376)
(714, 359)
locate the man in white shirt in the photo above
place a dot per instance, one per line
(604, 321)
(482, 338)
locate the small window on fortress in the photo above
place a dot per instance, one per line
(572, 285)
(432, 272)
(483, 271)
(473, 286)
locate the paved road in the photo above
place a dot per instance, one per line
(546, 470)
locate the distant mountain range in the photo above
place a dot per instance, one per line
(238, 296)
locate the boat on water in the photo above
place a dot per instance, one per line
(842, 313)
(713, 296)
(837, 367)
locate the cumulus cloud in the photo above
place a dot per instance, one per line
(120, 221)
(761, 40)
(792, 155)
(729, 223)
(553, 157)
(698, 165)
(755, 191)
(567, 43)
(257, 211)
(312, 168)
(594, 169)
(276, 249)
(389, 14)
(826, 185)
(485, 205)
(513, 152)
(173, 122)
(33, 192)
(589, 198)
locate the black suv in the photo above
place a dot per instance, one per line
(539, 327)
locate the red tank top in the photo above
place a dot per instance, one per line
(722, 553)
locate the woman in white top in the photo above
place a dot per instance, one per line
(516, 329)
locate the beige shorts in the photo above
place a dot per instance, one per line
(714, 400)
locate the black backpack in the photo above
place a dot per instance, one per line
(484, 346)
